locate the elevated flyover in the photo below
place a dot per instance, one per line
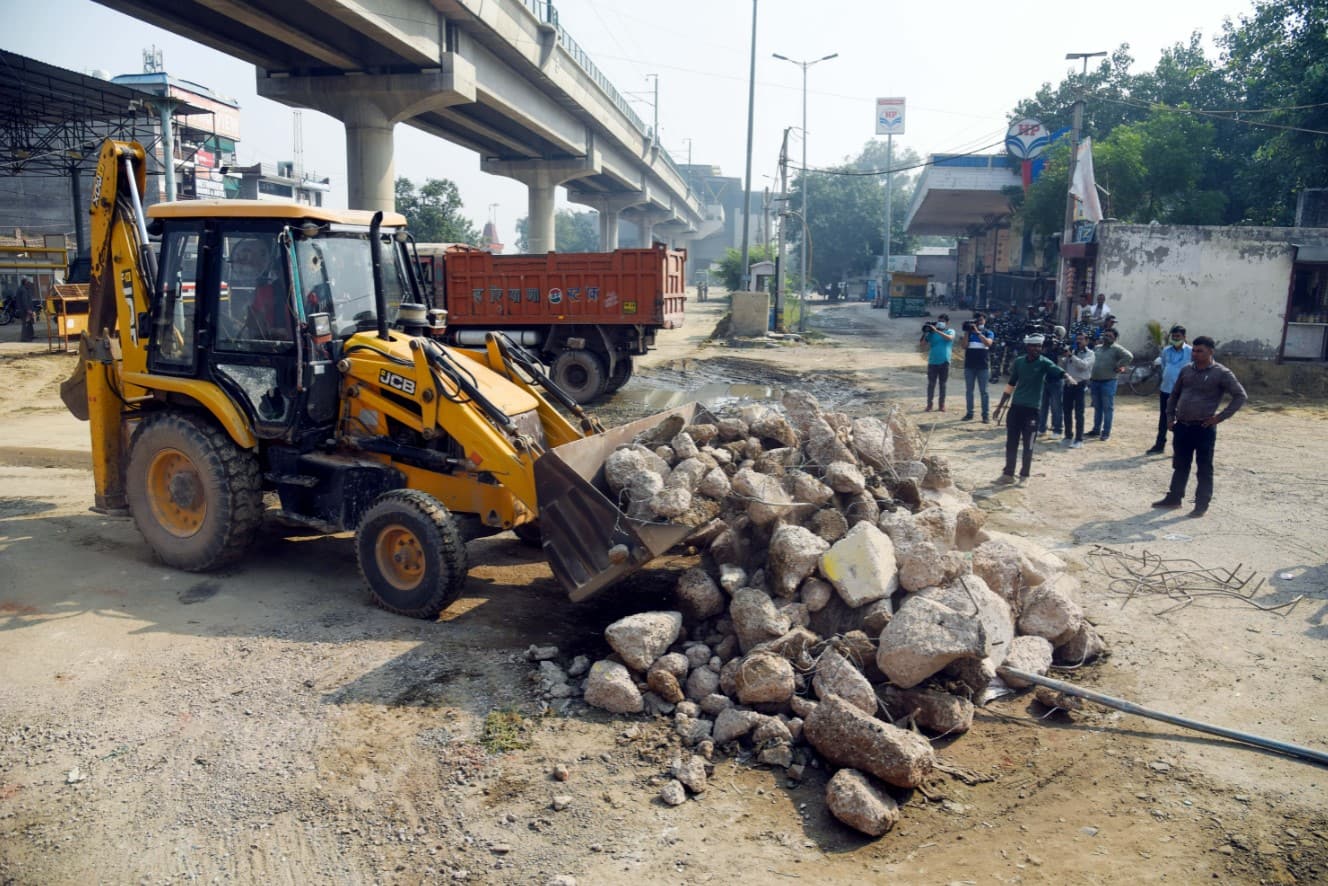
(501, 77)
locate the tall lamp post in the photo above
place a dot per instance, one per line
(806, 181)
(1067, 233)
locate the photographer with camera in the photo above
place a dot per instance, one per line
(939, 338)
(1053, 348)
(976, 372)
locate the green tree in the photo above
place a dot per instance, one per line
(573, 231)
(433, 212)
(846, 210)
(730, 268)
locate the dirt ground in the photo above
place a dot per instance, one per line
(267, 725)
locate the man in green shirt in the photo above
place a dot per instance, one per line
(1023, 394)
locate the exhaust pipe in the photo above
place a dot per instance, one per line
(376, 264)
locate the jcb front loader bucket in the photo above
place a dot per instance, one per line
(589, 542)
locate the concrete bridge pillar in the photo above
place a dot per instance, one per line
(542, 178)
(610, 208)
(370, 106)
(646, 218)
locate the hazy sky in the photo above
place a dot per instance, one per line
(961, 65)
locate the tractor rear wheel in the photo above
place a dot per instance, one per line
(581, 374)
(194, 495)
(411, 554)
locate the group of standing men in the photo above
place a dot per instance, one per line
(1193, 385)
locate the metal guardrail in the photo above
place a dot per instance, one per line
(545, 11)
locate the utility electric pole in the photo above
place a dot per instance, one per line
(746, 271)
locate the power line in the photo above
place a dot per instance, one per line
(1214, 114)
(903, 168)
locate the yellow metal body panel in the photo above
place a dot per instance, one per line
(107, 457)
(464, 494)
(208, 395)
(270, 209)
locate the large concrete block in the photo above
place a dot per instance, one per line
(751, 313)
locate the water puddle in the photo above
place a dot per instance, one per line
(714, 395)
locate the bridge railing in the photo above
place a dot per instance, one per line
(546, 12)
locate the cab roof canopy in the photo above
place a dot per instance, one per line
(270, 209)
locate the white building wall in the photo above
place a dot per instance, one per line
(1227, 283)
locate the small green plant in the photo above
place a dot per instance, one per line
(504, 731)
(1155, 333)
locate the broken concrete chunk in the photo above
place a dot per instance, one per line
(842, 476)
(923, 637)
(802, 408)
(686, 474)
(692, 730)
(773, 426)
(971, 594)
(859, 507)
(824, 446)
(829, 523)
(907, 439)
(698, 595)
(732, 577)
(715, 703)
(766, 499)
(816, 593)
(968, 527)
(764, 677)
(673, 793)
(1085, 646)
(1048, 612)
(861, 565)
(692, 773)
(771, 731)
(854, 800)
(873, 443)
(876, 615)
(701, 682)
(794, 554)
(806, 489)
(938, 472)
(997, 564)
(939, 713)
(715, 484)
(732, 724)
(621, 467)
(684, 446)
(920, 566)
(610, 686)
(671, 502)
(755, 618)
(937, 525)
(641, 638)
(665, 685)
(836, 675)
(1030, 654)
(846, 736)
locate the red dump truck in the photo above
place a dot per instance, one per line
(585, 314)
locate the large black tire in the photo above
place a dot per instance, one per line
(622, 371)
(411, 554)
(6, 316)
(194, 495)
(581, 374)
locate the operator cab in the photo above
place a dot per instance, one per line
(238, 284)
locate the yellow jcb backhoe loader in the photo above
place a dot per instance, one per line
(282, 350)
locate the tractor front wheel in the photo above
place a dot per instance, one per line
(411, 554)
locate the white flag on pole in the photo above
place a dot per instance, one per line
(1084, 186)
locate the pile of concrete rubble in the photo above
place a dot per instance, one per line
(850, 603)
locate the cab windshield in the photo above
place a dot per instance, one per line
(335, 277)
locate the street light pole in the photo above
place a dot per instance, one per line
(746, 273)
(806, 179)
(1076, 127)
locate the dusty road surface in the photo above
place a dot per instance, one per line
(267, 725)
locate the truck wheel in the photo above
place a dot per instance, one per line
(194, 495)
(411, 554)
(580, 374)
(622, 371)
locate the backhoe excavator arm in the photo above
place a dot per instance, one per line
(122, 273)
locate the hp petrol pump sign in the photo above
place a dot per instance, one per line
(889, 116)
(1026, 139)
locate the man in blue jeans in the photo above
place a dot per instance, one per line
(976, 371)
(939, 338)
(1109, 361)
(1193, 417)
(1173, 359)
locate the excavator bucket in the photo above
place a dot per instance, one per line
(588, 540)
